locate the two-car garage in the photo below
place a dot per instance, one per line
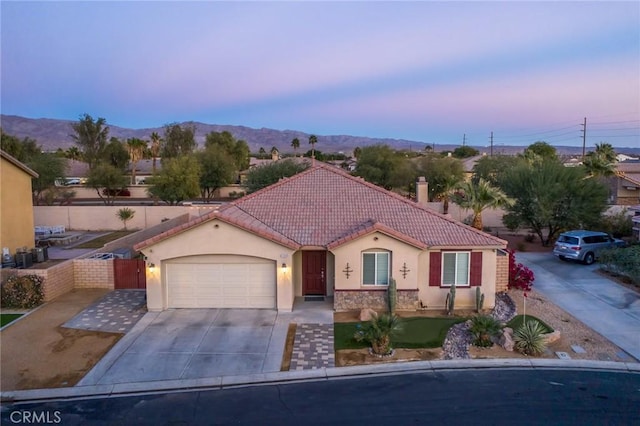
(220, 281)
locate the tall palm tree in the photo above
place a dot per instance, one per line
(601, 163)
(313, 140)
(155, 148)
(478, 196)
(136, 148)
(295, 143)
(606, 151)
(598, 166)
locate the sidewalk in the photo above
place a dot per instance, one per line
(608, 308)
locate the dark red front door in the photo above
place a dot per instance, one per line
(314, 275)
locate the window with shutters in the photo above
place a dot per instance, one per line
(455, 269)
(375, 268)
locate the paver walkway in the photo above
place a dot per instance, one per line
(313, 347)
(117, 312)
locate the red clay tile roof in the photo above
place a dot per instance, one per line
(325, 206)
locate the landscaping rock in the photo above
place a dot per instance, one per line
(367, 314)
(550, 338)
(506, 340)
(456, 344)
(505, 308)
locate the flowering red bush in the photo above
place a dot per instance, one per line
(520, 277)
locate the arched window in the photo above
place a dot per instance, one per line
(376, 266)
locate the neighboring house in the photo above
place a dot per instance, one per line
(626, 184)
(635, 219)
(321, 233)
(16, 204)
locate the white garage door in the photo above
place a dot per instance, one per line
(221, 285)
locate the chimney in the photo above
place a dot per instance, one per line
(422, 191)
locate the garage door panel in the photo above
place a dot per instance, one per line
(221, 285)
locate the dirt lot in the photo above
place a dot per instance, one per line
(39, 353)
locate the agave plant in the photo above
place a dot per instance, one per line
(529, 338)
(483, 328)
(378, 333)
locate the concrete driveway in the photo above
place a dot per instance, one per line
(607, 307)
(194, 344)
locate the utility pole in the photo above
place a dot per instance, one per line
(491, 152)
(584, 137)
(464, 139)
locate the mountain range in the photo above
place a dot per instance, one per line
(52, 134)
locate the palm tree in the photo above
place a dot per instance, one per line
(601, 162)
(379, 331)
(262, 152)
(136, 148)
(295, 143)
(73, 153)
(598, 166)
(478, 196)
(444, 190)
(606, 151)
(125, 214)
(313, 140)
(155, 148)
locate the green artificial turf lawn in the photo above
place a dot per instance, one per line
(7, 318)
(416, 332)
(517, 321)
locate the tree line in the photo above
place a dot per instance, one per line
(537, 191)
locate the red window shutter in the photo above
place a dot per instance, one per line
(476, 268)
(435, 266)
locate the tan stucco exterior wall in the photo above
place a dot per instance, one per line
(16, 207)
(435, 297)
(220, 238)
(417, 262)
(351, 253)
(104, 217)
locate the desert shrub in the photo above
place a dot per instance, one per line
(622, 261)
(618, 224)
(529, 238)
(378, 333)
(520, 277)
(483, 328)
(529, 339)
(519, 320)
(26, 291)
(511, 221)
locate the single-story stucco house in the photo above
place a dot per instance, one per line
(322, 232)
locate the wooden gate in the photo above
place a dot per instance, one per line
(129, 274)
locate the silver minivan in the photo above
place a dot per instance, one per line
(584, 245)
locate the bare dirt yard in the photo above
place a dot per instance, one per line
(38, 353)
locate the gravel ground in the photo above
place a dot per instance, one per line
(573, 332)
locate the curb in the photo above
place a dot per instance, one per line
(286, 377)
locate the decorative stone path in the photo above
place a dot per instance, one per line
(117, 312)
(313, 347)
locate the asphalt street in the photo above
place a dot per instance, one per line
(458, 397)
